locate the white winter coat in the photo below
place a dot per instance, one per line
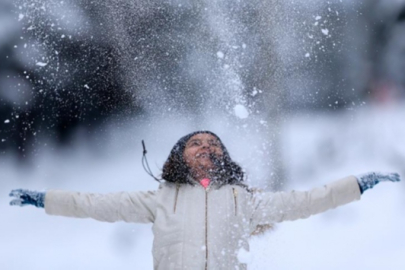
(196, 228)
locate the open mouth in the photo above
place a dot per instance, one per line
(203, 155)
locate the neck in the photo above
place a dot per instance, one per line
(201, 173)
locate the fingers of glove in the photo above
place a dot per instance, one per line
(16, 193)
(17, 202)
(393, 177)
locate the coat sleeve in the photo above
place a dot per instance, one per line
(281, 206)
(123, 206)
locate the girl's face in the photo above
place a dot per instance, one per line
(198, 150)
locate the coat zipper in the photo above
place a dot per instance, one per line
(235, 194)
(175, 198)
(206, 228)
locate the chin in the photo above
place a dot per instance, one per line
(206, 166)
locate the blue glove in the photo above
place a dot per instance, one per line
(25, 197)
(369, 180)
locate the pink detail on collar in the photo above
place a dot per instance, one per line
(205, 182)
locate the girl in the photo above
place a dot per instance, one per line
(202, 213)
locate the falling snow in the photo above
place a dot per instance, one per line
(220, 54)
(241, 111)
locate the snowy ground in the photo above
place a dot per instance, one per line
(317, 148)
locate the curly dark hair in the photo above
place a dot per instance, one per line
(176, 170)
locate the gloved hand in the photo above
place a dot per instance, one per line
(25, 197)
(369, 180)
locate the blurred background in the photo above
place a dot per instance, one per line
(301, 92)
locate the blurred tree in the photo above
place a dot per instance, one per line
(385, 46)
(401, 16)
(72, 80)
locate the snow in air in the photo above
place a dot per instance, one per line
(220, 54)
(241, 111)
(41, 64)
(244, 256)
(325, 32)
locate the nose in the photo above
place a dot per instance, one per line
(205, 144)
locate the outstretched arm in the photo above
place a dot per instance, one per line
(282, 206)
(122, 206)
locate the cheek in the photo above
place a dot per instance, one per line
(219, 151)
(188, 156)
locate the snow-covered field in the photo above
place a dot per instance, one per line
(317, 149)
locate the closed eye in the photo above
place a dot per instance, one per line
(214, 143)
(194, 143)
